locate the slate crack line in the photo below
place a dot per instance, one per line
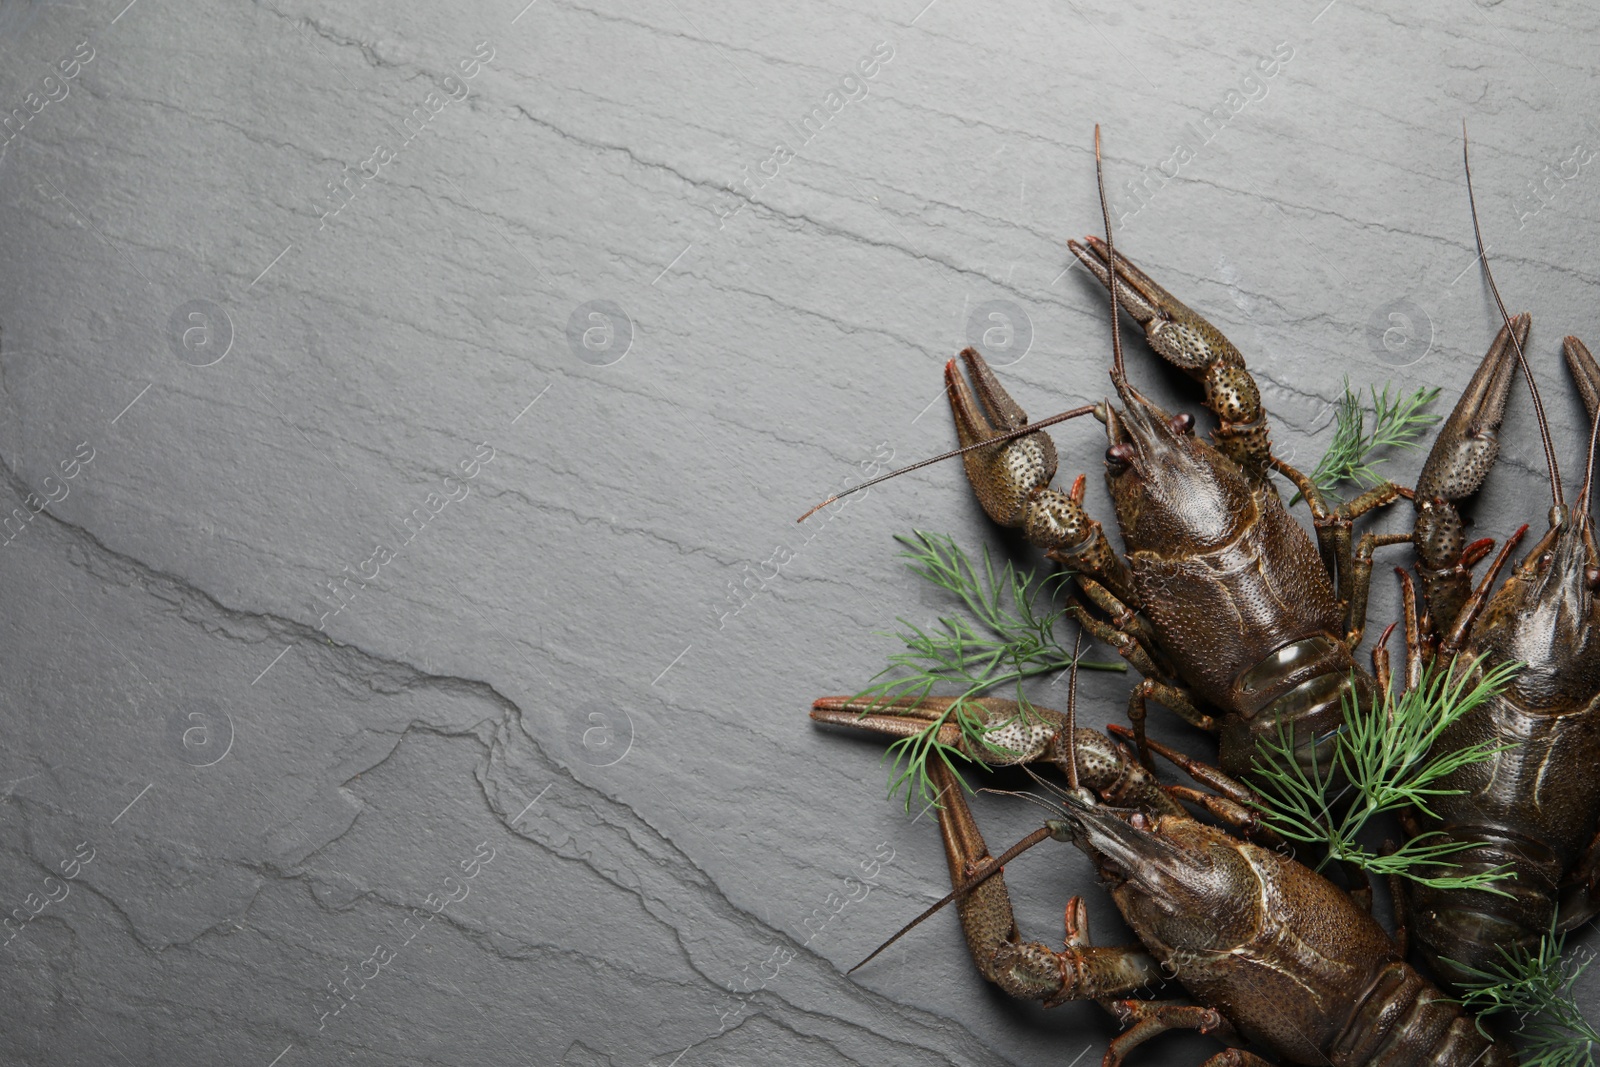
(301, 26)
(514, 246)
(182, 586)
(295, 426)
(713, 44)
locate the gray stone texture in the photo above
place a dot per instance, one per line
(580, 675)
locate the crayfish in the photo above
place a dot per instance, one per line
(1235, 620)
(1533, 808)
(1273, 953)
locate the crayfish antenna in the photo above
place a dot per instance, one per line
(1522, 360)
(1072, 715)
(1049, 787)
(1118, 375)
(997, 439)
(1117, 370)
(1588, 474)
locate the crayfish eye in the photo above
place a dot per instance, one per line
(1182, 423)
(1118, 456)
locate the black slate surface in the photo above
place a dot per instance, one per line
(439, 385)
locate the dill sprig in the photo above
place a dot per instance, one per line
(1536, 986)
(1002, 639)
(1397, 422)
(1384, 755)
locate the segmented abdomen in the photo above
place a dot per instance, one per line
(1296, 693)
(1403, 1021)
(1531, 807)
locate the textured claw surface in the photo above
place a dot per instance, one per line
(1012, 480)
(1231, 392)
(1183, 337)
(1462, 456)
(1585, 374)
(1469, 441)
(1006, 475)
(1015, 736)
(1188, 341)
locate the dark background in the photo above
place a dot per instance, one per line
(595, 656)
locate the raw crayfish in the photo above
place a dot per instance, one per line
(1274, 953)
(1221, 601)
(1533, 808)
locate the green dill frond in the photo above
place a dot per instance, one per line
(1353, 455)
(1002, 638)
(1385, 756)
(1536, 986)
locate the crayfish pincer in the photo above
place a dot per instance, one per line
(1272, 953)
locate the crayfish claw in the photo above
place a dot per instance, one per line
(1190, 342)
(1585, 374)
(1469, 441)
(1184, 338)
(1004, 476)
(1012, 478)
(1460, 461)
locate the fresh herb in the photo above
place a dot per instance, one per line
(1536, 986)
(1002, 639)
(1397, 422)
(1384, 755)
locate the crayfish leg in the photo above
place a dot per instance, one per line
(1146, 1019)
